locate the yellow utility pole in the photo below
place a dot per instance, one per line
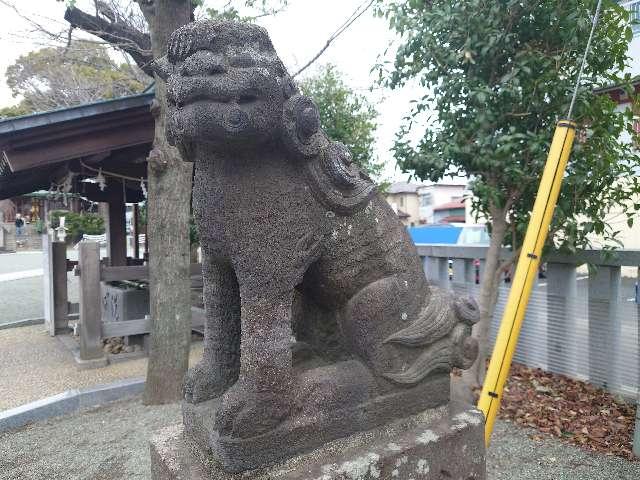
(529, 260)
(526, 271)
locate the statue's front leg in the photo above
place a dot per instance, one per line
(220, 363)
(262, 397)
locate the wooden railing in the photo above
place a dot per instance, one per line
(92, 273)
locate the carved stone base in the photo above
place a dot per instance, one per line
(436, 444)
(308, 430)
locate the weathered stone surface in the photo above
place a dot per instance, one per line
(434, 445)
(319, 320)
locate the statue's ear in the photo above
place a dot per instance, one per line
(162, 67)
(301, 127)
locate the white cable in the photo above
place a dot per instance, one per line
(584, 60)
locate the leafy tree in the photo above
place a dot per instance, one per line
(14, 111)
(53, 77)
(345, 115)
(78, 224)
(497, 75)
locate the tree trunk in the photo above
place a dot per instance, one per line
(167, 229)
(488, 296)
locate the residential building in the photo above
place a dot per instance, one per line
(450, 212)
(403, 198)
(437, 197)
(419, 204)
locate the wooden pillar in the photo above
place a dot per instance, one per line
(47, 270)
(136, 239)
(60, 297)
(562, 291)
(116, 228)
(604, 325)
(90, 309)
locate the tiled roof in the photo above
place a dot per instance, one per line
(450, 205)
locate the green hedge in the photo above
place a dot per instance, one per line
(78, 224)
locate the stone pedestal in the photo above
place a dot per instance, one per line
(437, 444)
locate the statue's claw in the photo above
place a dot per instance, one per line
(244, 414)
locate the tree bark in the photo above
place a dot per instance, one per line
(167, 229)
(488, 296)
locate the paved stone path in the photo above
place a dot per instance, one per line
(111, 442)
(21, 285)
(35, 365)
(6, 277)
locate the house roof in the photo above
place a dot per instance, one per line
(403, 187)
(40, 119)
(455, 204)
(617, 92)
(38, 148)
(453, 219)
(402, 214)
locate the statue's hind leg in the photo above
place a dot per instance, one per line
(406, 334)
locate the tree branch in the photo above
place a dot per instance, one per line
(119, 34)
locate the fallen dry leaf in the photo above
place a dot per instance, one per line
(574, 411)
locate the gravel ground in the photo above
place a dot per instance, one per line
(513, 455)
(111, 442)
(16, 262)
(106, 443)
(35, 365)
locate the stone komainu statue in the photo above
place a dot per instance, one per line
(320, 322)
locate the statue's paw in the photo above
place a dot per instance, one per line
(201, 384)
(244, 414)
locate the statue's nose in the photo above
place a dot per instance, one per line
(202, 63)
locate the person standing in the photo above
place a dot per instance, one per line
(19, 225)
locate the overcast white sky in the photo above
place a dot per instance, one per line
(297, 33)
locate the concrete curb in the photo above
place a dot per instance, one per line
(22, 323)
(68, 402)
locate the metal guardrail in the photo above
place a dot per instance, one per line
(585, 326)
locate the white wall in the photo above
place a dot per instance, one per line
(634, 46)
(439, 194)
